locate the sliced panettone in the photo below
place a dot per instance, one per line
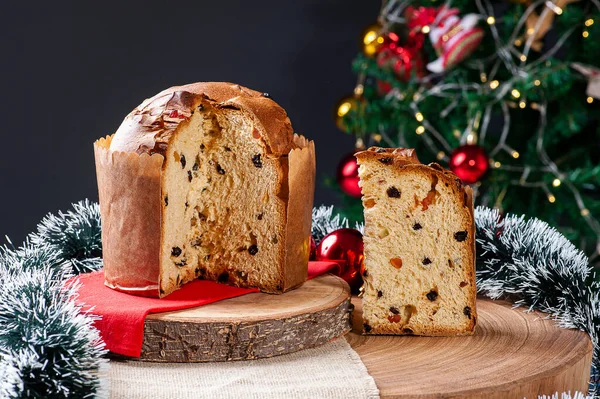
(231, 202)
(419, 246)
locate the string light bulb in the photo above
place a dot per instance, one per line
(483, 77)
(590, 100)
(377, 138)
(344, 108)
(359, 90)
(523, 58)
(419, 117)
(585, 33)
(518, 42)
(426, 29)
(551, 198)
(491, 20)
(420, 129)
(440, 155)
(537, 82)
(556, 182)
(497, 164)
(515, 154)
(494, 84)
(589, 22)
(557, 10)
(515, 93)
(522, 104)
(585, 212)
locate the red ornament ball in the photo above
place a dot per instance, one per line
(345, 247)
(469, 162)
(313, 249)
(347, 176)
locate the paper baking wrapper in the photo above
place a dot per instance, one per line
(129, 187)
(301, 183)
(130, 205)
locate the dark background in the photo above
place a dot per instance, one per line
(71, 70)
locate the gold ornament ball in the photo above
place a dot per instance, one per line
(345, 106)
(371, 40)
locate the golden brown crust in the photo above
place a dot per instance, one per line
(389, 156)
(149, 127)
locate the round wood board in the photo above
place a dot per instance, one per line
(251, 326)
(512, 354)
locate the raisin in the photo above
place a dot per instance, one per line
(393, 192)
(253, 250)
(379, 294)
(186, 205)
(175, 251)
(202, 217)
(396, 262)
(279, 287)
(166, 200)
(206, 257)
(417, 226)
(407, 331)
(256, 161)
(394, 310)
(365, 273)
(202, 147)
(227, 149)
(432, 295)
(182, 160)
(220, 170)
(267, 95)
(181, 263)
(386, 160)
(367, 327)
(162, 292)
(190, 176)
(463, 284)
(460, 236)
(223, 277)
(260, 216)
(450, 263)
(426, 261)
(467, 312)
(196, 166)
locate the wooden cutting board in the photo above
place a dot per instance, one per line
(511, 355)
(251, 326)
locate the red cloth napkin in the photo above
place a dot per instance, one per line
(122, 315)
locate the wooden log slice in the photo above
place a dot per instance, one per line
(251, 326)
(512, 354)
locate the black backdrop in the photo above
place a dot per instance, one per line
(71, 70)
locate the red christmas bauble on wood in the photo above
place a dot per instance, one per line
(345, 247)
(347, 176)
(469, 162)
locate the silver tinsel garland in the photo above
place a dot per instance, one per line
(49, 348)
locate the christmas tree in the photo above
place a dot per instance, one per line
(504, 93)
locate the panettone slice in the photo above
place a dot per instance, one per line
(419, 246)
